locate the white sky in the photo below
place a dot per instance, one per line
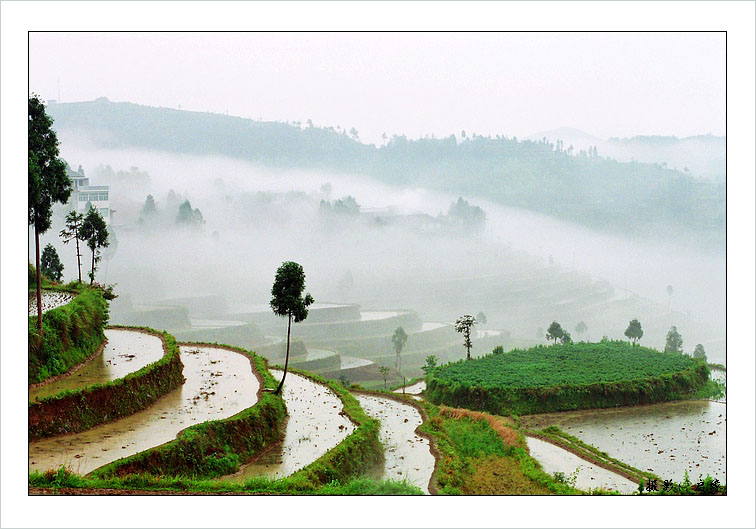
(515, 84)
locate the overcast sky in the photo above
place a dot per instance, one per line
(515, 84)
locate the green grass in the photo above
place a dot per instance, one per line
(64, 479)
(565, 377)
(574, 364)
(70, 333)
(474, 459)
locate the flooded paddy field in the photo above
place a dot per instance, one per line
(219, 384)
(589, 476)
(666, 439)
(415, 389)
(378, 315)
(127, 351)
(408, 455)
(315, 425)
(50, 300)
(351, 362)
(198, 323)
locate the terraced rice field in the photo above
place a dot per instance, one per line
(589, 476)
(315, 425)
(50, 300)
(408, 455)
(219, 383)
(666, 439)
(127, 351)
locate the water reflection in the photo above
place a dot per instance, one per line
(219, 384)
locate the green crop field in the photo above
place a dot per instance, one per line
(574, 364)
(563, 377)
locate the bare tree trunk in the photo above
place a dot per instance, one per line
(39, 281)
(286, 363)
(78, 252)
(91, 278)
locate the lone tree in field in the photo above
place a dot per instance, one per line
(95, 232)
(674, 342)
(48, 182)
(554, 332)
(481, 317)
(384, 371)
(72, 233)
(399, 339)
(431, 361)
(580, 328)
(287, 301)
(699, 352)
(634, 331)
(464, 324)
(51, 265)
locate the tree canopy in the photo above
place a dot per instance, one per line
(554, 332)
(674, 341)
(288, 301)
(634, 331)
(51, 265)
(463, 325)
(95, 232)
(398, 340)
(48, 182)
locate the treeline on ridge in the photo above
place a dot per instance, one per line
(537, 175)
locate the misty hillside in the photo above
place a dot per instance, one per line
(702, 156)
(633, 198)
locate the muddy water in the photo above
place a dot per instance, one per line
(314, 427)
(126, 352)
(415, 389)
(50, 300)
(407, 454)
(589, 476)
(430, 326)
(378, 315)
(317, 354)
(483, 333)
(219, 383)
(666, 439)
(214, 324)
(350, 362)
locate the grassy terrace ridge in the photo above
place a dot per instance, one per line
(70, 333)
(480, 454)
(213, 448)
(81, 409)
(566, 377)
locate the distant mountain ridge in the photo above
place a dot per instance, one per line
(703, 155)
(537, 175)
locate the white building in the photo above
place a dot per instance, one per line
(83, 194)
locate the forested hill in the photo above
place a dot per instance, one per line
(631, 197)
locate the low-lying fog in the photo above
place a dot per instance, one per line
(256, 218)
